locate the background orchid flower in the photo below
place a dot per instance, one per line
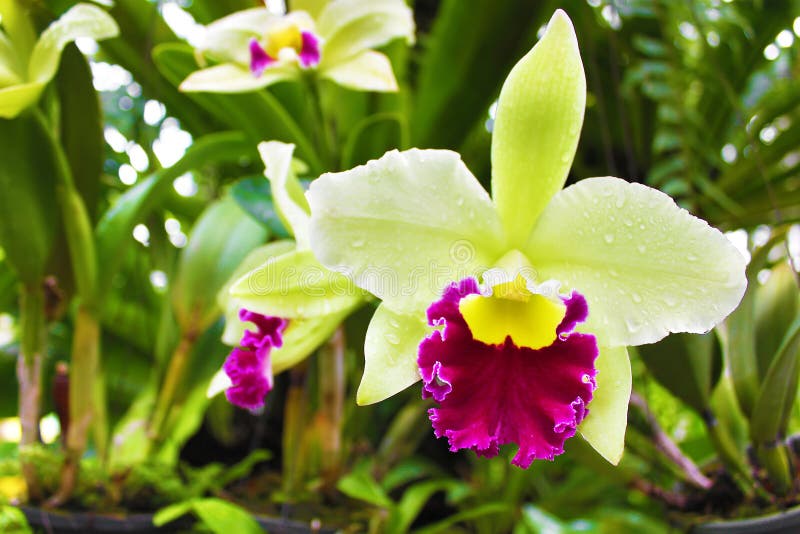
(619, 262)
(281, 304)
(28, 64)
(256, 48)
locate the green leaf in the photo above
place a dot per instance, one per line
(254, 196)
(777, 303)
(223, 517)
(28, 209)
(689, 366)
(360, 484)
(483, 510)
(219, 241)
(372, 137)
(778, 390)
(114, 229)
(413, 500)
(170, 513)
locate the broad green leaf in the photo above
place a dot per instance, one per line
(604, 427)
(254, 195)
(476, 512)
(776, 305)
(218, 242)
(82, 20)
(688, 365)
(366, 71)
(372, 137)
(778, 390)
(412, 502)
(537, 127)
(114, 229)
(16, 98)
(170, 513)
(390, 352)
(350, 26)
(223, 517)
(28, 209)
(645, 266)
(404, 226)
(360, 484)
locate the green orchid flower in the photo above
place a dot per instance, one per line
(516, 310)
(293, 301)
(256, 48)
(26, 64)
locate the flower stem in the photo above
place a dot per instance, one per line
(172, 379)
(29, 374)
(774, 458)
(331, 372)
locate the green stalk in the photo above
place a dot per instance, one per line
(172, 379)
(331, 379)
(728, 452)
(85, 395)
(775, 460)
(29, 375)
(325, 138)
(294, 430)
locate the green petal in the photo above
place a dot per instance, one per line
(350, 26)
(537, 127)
(645, 266)
(304, 337)
(16, 98)
(390, 352)
(404, 226)
(295, 285)
(366, 71)
(82, 20)
(231, 78)
(604, 427)
(234, 328)
(312, 7)
(286, 190)
(10, 69)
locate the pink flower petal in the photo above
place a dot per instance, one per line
(309, 55)
(259, 59)
(490, 395)
(249, 366)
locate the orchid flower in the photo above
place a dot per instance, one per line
(26, 64)
(256, 48)
(516, 310)
(293, 301)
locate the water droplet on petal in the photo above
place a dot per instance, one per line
(609, 238)
(641, 248)
(392, 339)
(691, 257)
(358, 243)
(460, 201)
(620, 202)
(637, 298)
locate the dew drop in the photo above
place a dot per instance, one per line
(641, 248)
(393, 323)
(565, 158)
(670, 301)
(358, 243)
(637, 298)
(691, 257)
(460, 201)
(634, 325)
(613, 273)
(609, 238)
(392, 339)
(620, 202)
(642, 227)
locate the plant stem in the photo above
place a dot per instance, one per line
(331, 412)
(294, 431)
(172, 379)
(83, 408)
(29, 375)
(775, 460)
(728, 452)
(668, 447)
(324, 135)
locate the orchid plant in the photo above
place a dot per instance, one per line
(516, 310)
(256, 48)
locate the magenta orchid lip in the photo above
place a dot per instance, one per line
(491, 395)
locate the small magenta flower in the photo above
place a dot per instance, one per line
(568, 278)
(248, 366)
(255, 48)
